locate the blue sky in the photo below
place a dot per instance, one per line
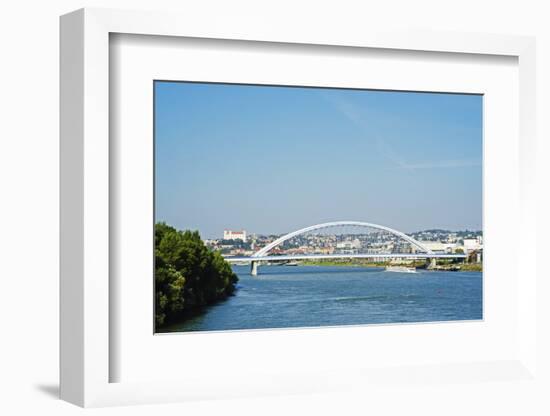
(274, 159)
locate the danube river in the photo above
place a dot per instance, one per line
(312, 296)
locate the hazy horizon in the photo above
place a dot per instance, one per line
(249, 232)
(275, 159)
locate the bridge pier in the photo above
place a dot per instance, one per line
(432, 262)
(254, 268)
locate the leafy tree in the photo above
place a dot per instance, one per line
(187, 274)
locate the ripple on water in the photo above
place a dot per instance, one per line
(313, 296)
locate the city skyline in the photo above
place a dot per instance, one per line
(222, 234)
(273, 159)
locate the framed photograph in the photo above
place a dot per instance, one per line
(270, 212)
(338, 163)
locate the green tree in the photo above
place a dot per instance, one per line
(187, 274)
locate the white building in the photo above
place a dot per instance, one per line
(234, 235)
(349, 245)
(439, 247)
(472, 244)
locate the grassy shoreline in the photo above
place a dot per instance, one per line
(473, 267)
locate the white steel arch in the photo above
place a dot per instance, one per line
(280, 240)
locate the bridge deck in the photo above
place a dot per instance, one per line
(345, 256)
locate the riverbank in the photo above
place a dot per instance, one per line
(465, 267)
(346, 263)
(471, 267)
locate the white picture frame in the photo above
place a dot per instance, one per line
(86, 356)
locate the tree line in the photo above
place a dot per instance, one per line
(187, 274)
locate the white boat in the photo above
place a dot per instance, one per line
(401, 269)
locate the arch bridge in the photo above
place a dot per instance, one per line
(419, 251)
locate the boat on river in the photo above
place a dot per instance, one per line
(401, 269)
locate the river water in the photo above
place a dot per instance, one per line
(313, 296)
